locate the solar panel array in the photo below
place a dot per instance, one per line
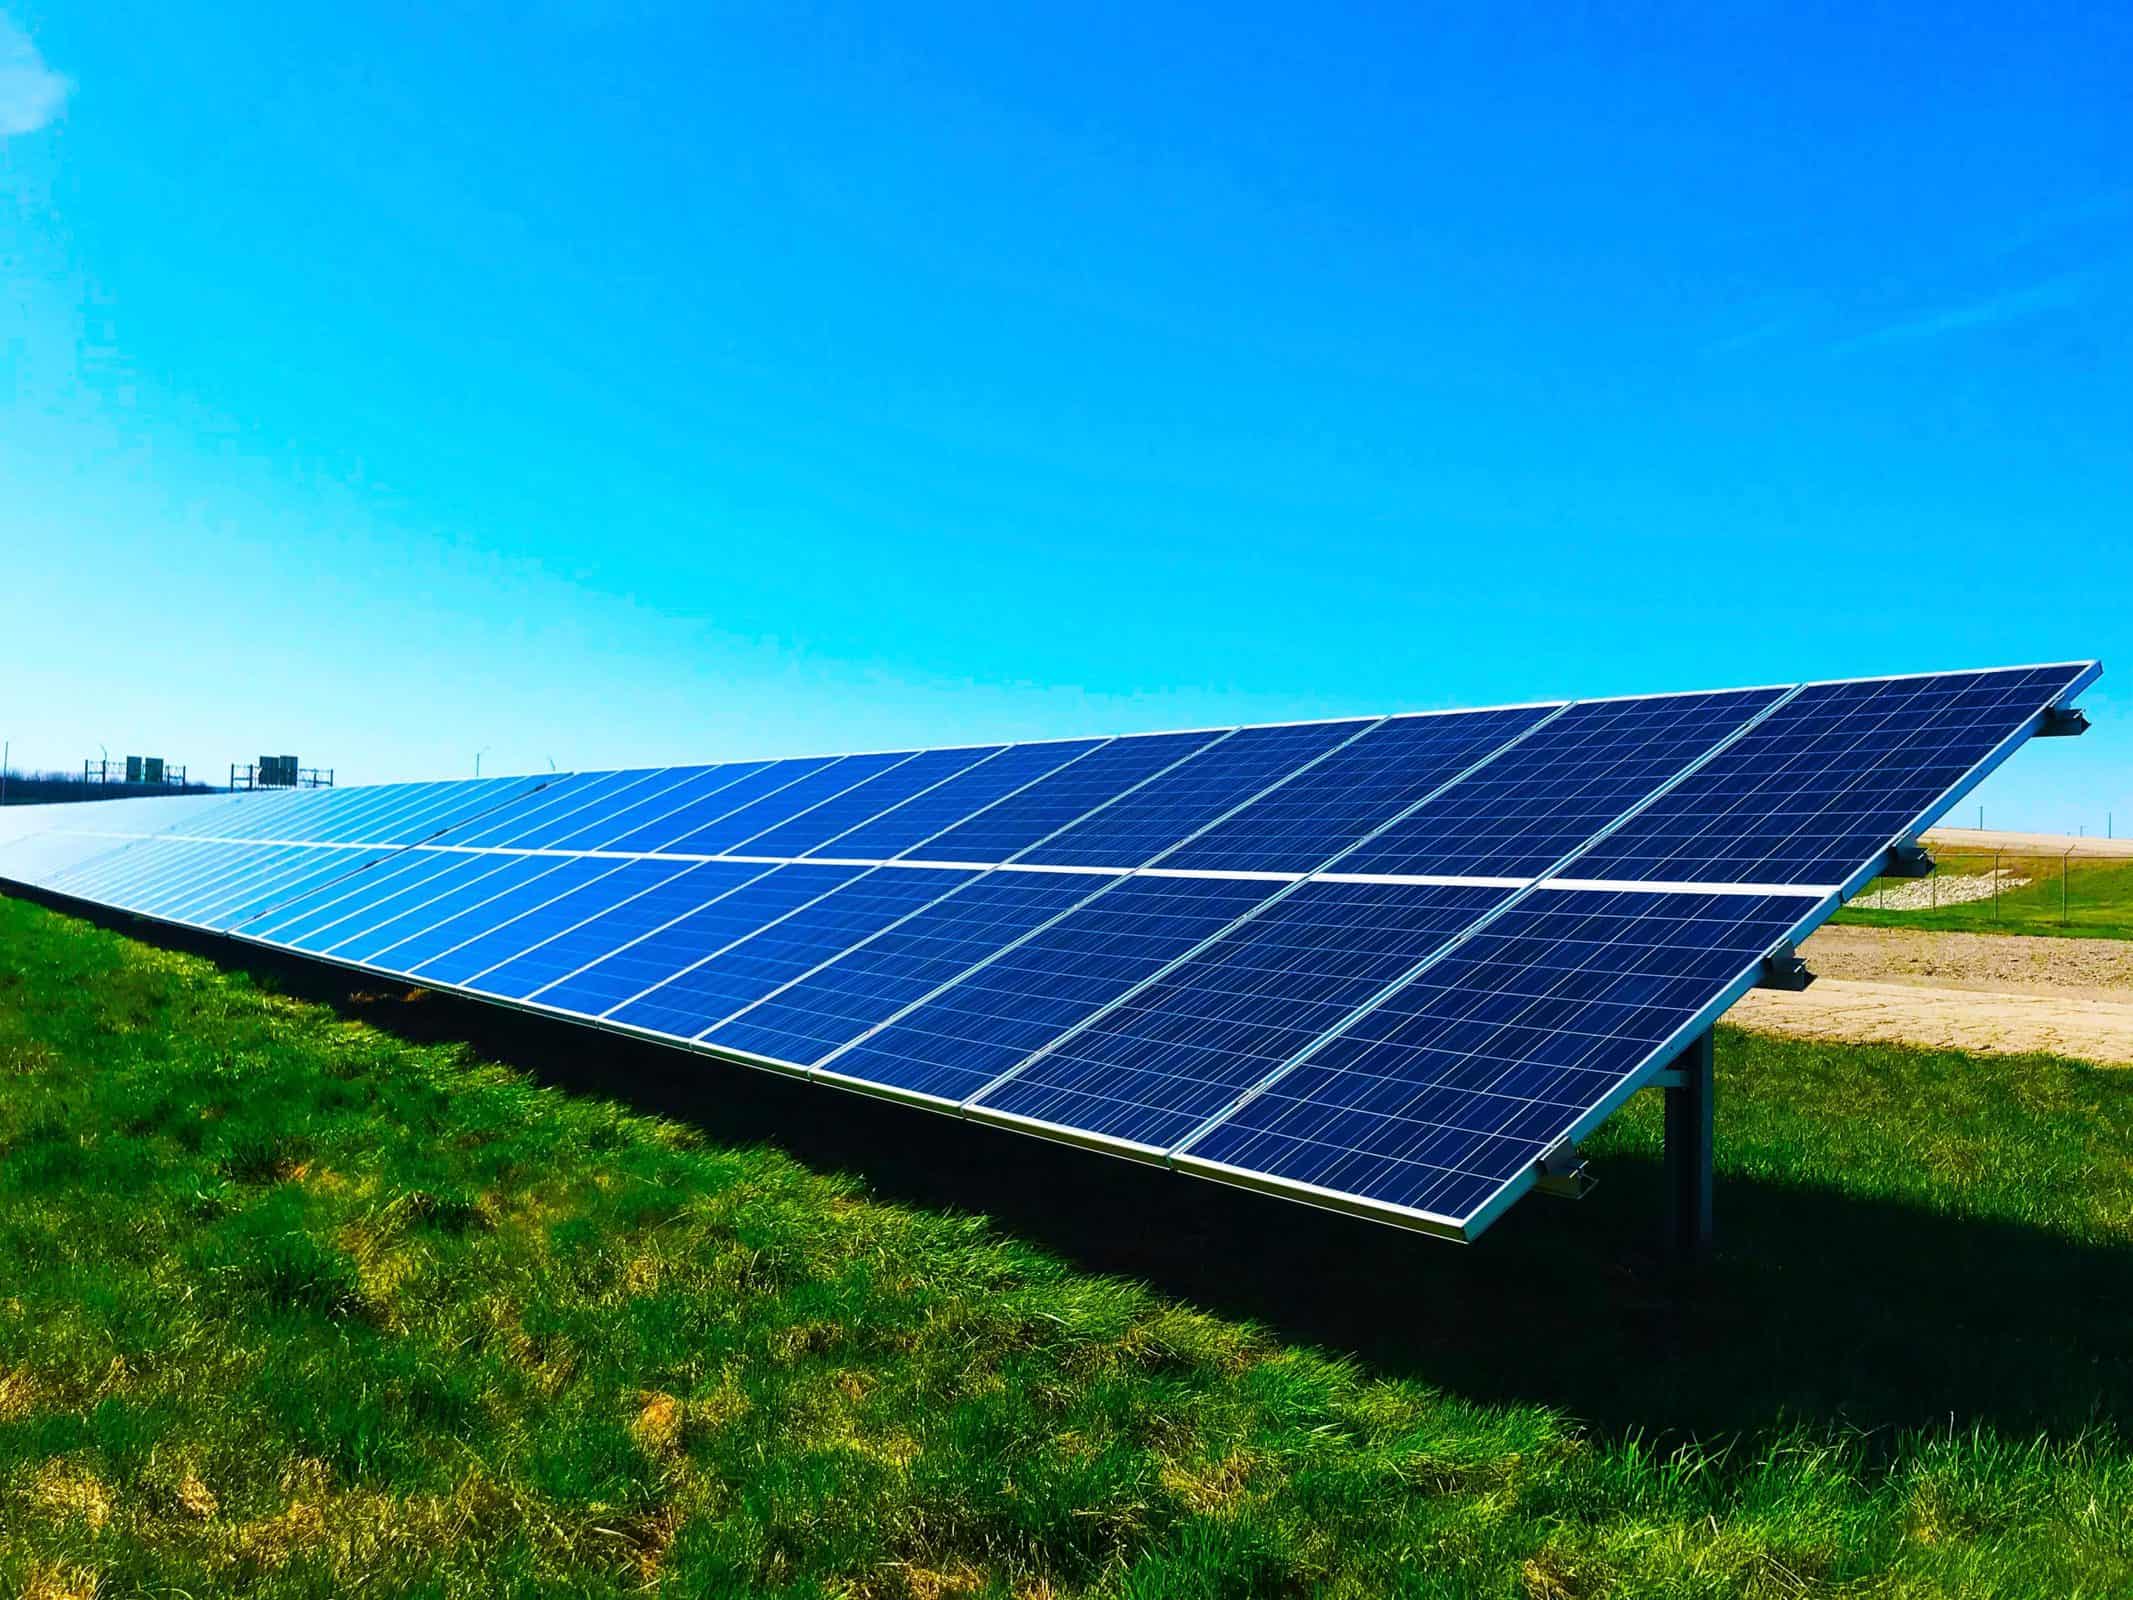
(1385, 964)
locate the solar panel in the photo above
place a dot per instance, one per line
(1388, 965)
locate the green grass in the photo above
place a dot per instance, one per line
(292, 1303)
(2087, 898)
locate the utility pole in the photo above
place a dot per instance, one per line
(484, 750)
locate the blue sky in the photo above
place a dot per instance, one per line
(607, 383)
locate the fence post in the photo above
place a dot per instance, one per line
(2066, 883)
(1995, 886)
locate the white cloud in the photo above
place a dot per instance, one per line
(31, 93)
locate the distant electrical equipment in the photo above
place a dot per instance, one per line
(279, 772)
(148, 771)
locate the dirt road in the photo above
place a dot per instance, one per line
(2000, 993)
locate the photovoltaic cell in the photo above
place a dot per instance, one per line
(612, 980)
(1139, 826)
(827, 784)
(704, 995)
(544, 921)
(817, 827)
(1357, 789)
(857, 988)
(1178, 1051)
(651, 815)
(966, 795)
(1469, 1074)
(1828, 781)
(1544, 796)
(954, 1044)
(1021, 819)
(614, 931)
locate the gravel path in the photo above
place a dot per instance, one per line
(2000, 993)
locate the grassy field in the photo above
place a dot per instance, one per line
(318, 1299)
(2085, 898)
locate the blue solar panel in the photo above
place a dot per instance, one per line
(1103, 776)
(242, 866)
(314, 867)
(539, 926)
(615, 979)
(368, 938)
(1181, 1049)
(526, 882)
(1357, 789)
(877, 977)
(966, 795)
(821, 826)
(709, 993)
(583, 795)
(614, 930)
(1140, 825)
(1543, 797)
(960, 1040)
(702, 797)
(1828, 781)
(362, 929)
(1466, 1077)
(1330, 973)
(333, 903)
(828, 783)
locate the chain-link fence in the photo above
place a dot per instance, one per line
(2015, 889)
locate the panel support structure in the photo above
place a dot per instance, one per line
(1689, 1097)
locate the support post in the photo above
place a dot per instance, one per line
(1689, 1096)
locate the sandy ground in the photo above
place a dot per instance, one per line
(2002, 993)
(1972, 840)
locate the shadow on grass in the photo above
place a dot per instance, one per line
(1821, 1307)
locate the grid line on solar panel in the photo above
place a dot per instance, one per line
(688, 1004)
(1486, 916)
(924, 817)
(644, 964)
(1541, 799)
(1454, 1087)
(525, 953)
(1830, 781)
(717, 880)
(1358, 789)
(598, 790)
(688, 969)
(1446, 780)
(323, 907)
(712, 793)
(964, 1035)
(846, 994)
(1237, 802)
(1184, 800)
(348, 936)
(1153, 1068)
(255, 864)
(1041, 810)
(924, 773)
(314, 867)
(827, 782)
(468, 892)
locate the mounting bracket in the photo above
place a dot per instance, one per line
(2063, 722)
(1908, 860)
(1563, 1173)
(1785, 970)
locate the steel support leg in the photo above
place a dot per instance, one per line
(1688, 1154)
